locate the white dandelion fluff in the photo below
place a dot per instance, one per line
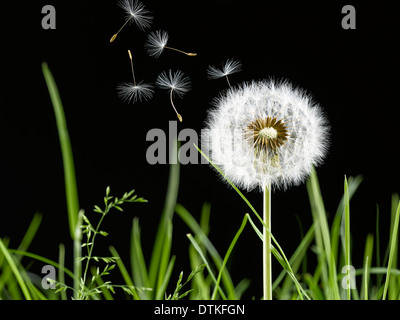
(133, 91)
(174, 82)
(157, 42)
(266, 134)
(135, 11)
(229, 67)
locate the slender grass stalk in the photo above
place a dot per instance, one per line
(15, 270)
(347, 236)
(71, 190)
(326, 257)
(161, 243)
(395, 230)
(65, 143)
(369, 246)
(124, 273)
(61, 274)
(365, 276)
(228, 253)
(200, 252)
(138, 264)
(267, 263)
(203, 239)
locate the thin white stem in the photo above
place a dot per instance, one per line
(190, 54)
(173, 106)
(133, 72)
(116, 34)
(267, 269)
(227, 79)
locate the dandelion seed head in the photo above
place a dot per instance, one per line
(229, 67)
(156, 42)
(266, 133)
(136, 11)
(174, 81)
(130, 92)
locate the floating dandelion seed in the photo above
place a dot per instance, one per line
(266, 135)
(174, 82)
(135, 11)
(157, 42)
(230, 66)
(132, 92)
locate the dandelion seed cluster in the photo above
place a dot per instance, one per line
(266, 134)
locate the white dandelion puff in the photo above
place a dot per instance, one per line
(157, 42)
(266, 134)
(130, 92)
(135, 11)
(133, 91)
(229, 67)
(174, 82)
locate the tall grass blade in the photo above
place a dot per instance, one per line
(138, 264)
(393, 236)
(322, 237)
(347, 236)
(15, 271)
(71, 190)
(202, 240)
(198, 249)
(124, 273)
(161, 242)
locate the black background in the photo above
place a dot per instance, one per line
(351, 73)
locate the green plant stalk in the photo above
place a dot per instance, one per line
(71, 190)
(267, 268)
(15, 270)
(157, 269)
(284, 261)
(347, 235)
(66, 150)
(228, 253)
(89, 257)
(392, 249)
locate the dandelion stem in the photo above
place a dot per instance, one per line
(227, 79)
(187, 53)
(133, 72)
(116, 34)
(173, 106)
(267, 270)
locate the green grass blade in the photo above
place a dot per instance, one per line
(15, 270)
(160, 294)
(322, 237)
(138, 264)
(198, 249)
(369, 246)
(347, 236)
(165, 264)
(124, 273)
(202, 239)
(24, 245)
(295, 261)
(61, 273)
(160, 242)
(44, 260)
(71, 190)
(228, 253)
(394, 234)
